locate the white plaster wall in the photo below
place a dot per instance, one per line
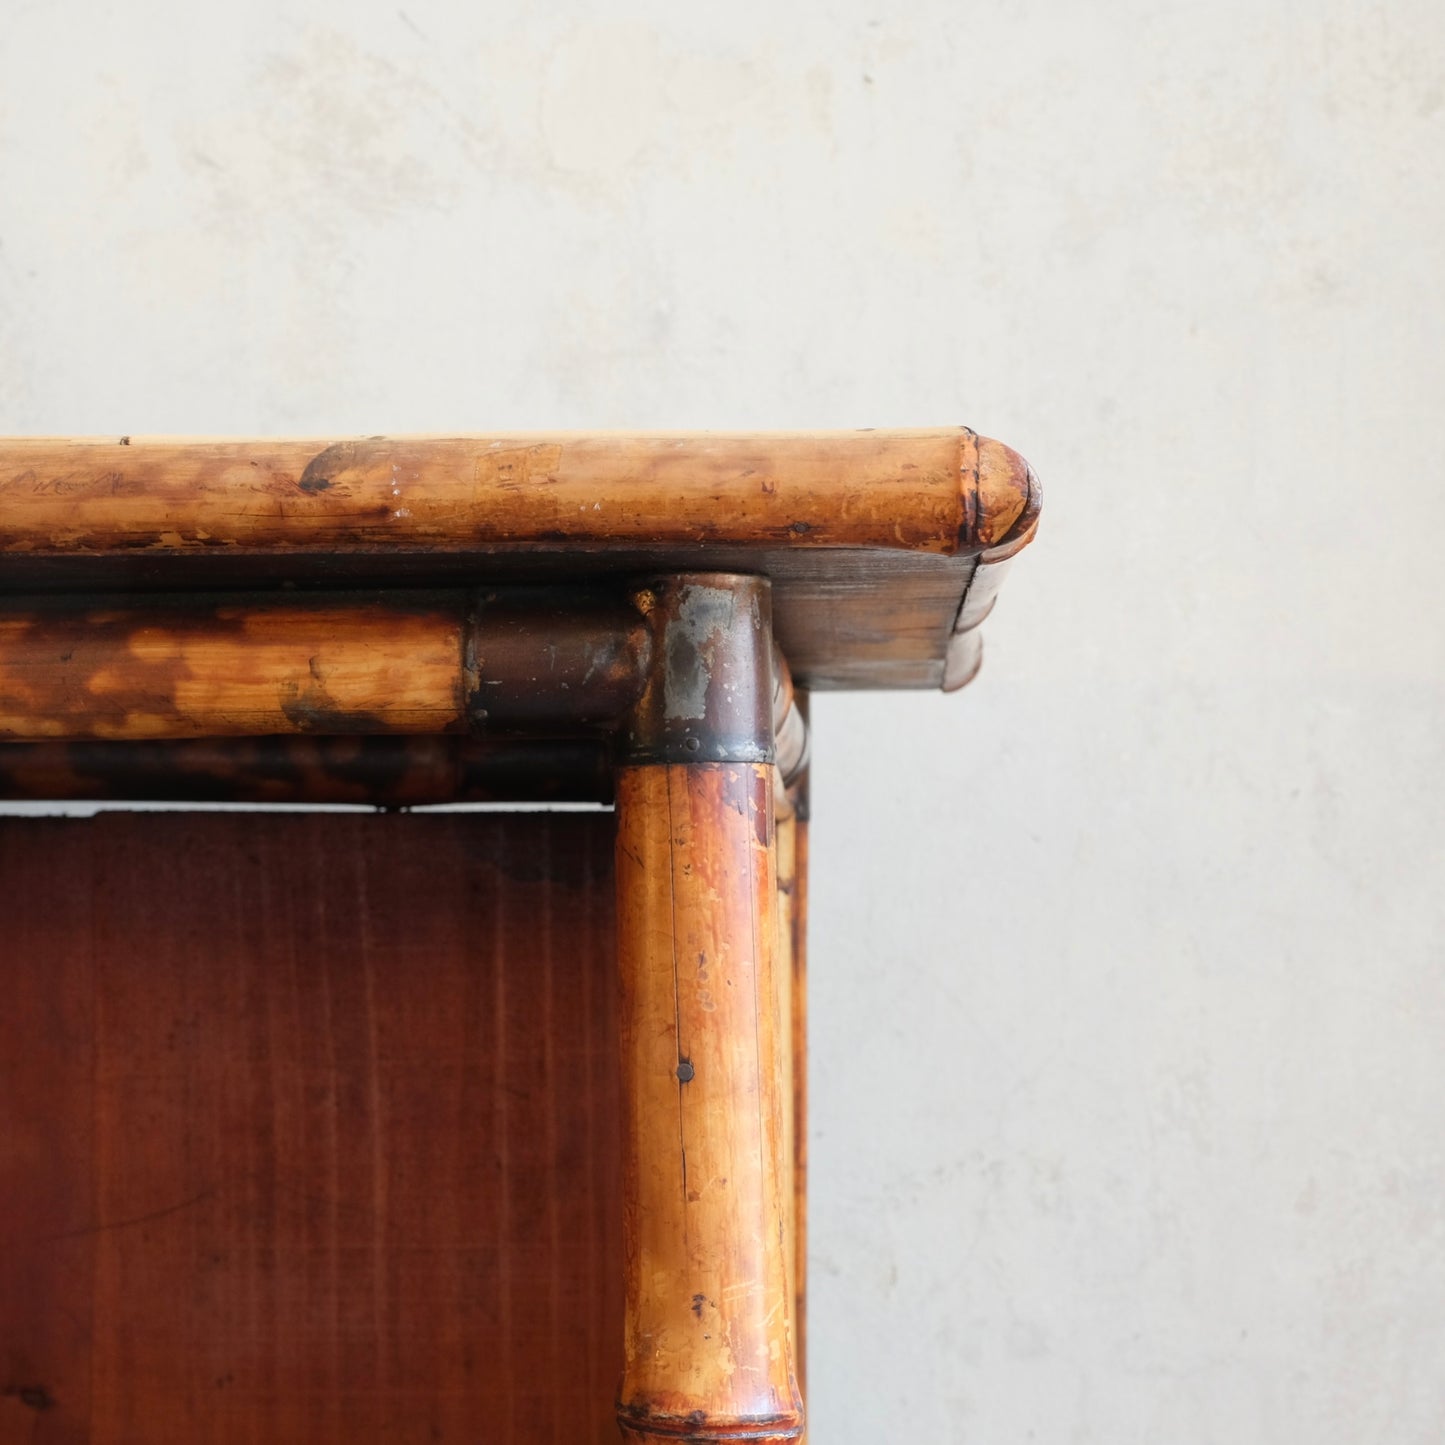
(1129, 963)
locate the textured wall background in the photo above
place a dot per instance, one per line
(1129, 964)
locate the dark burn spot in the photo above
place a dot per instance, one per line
(34, 1397)
(697, 1303)
(322, 470)
(312, 709)
(799, 528)
(685, 1070)
(125, 441)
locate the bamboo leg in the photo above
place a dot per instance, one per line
(708, 1353)
(792, 987)
(785, 833)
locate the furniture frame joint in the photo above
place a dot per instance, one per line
(708, 695)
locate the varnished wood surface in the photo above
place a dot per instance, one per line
(308, 1131)
(707, 1345)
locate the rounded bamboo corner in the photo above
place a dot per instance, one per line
(1004, 517)
(1000, 495)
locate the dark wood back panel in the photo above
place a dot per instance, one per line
(308, 1129)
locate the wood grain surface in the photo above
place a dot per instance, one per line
(309, 1130)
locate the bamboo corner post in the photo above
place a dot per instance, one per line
(708, 1350)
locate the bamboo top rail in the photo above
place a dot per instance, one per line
(944, 490)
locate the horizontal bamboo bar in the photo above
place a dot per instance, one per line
(231, 669)
(255, 665)
(509, 663)
(380, 772)
(940, 490)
